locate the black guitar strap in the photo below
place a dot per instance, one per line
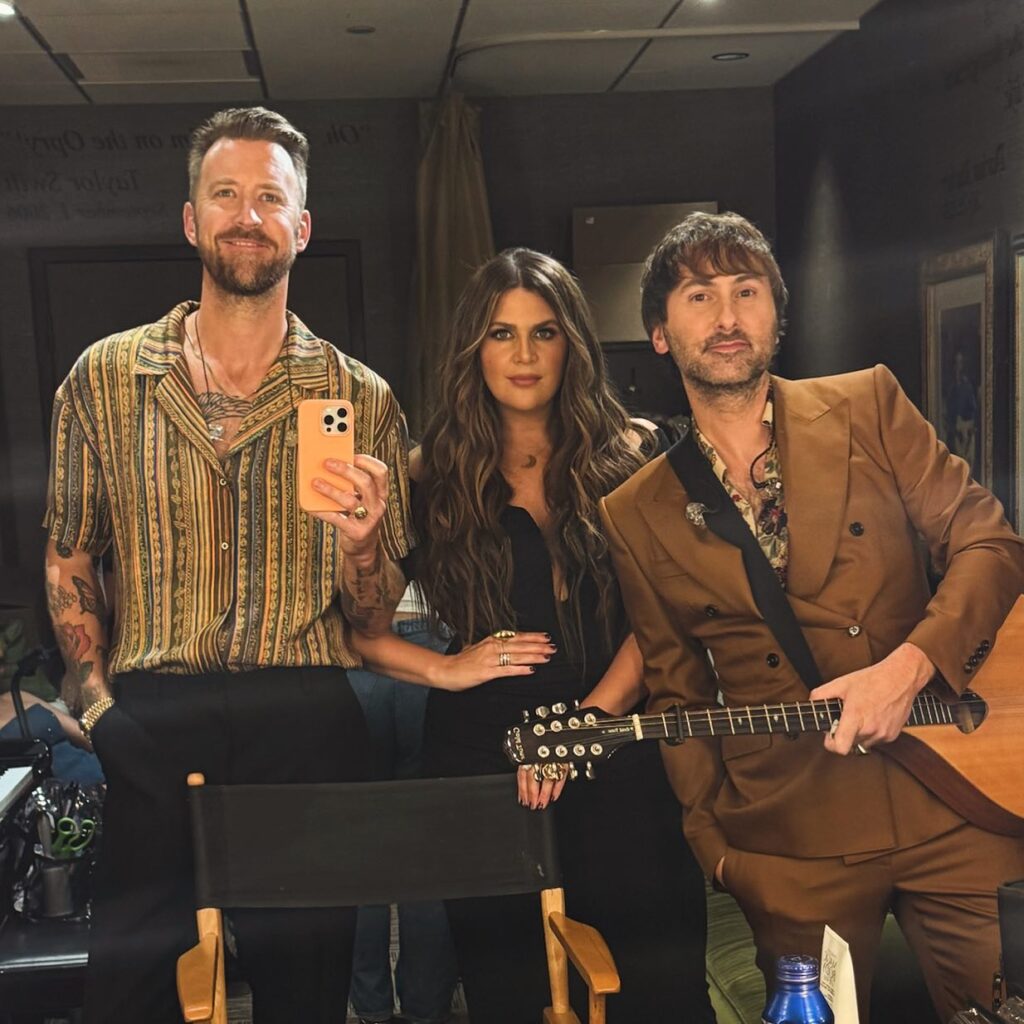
(723, 518)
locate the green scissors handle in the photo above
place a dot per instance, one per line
(72, 836)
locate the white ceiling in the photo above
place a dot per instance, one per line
(174, 51)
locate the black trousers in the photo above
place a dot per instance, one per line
(275, 725)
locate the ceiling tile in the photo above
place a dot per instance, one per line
(40, 94)
(544, 68)
(757, 12)
(174, 92)
(306, 53)
(29, 68)
(498, 17)
(64, 8)
(194, 66)
(15, 38)
(688, 63)
(108, 33)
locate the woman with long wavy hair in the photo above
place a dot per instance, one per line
(527, 438)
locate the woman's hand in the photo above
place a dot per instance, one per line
(494, 658)
(537, 794)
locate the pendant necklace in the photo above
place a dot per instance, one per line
(230, 405)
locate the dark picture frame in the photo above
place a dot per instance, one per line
(958, 303)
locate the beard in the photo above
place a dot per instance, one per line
(247, 275)
(740, 376)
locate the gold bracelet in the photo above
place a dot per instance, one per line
(92, 714)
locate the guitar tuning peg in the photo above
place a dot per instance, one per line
(559, 708)
(576, 704)
(526, 715)
(589, 771)
(542, 712)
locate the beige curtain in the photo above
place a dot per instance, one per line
(453, 237)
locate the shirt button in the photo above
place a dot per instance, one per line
(856, 529)
(224, 545)
(773, 660)
(968, 668)
(223, 482)
(854, 631)
(710, 611)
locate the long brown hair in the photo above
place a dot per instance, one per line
(466, 565)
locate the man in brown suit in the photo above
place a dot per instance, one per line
(836, 478)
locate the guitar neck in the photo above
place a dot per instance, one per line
(790, 717)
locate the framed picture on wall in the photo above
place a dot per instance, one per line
(1017, 413)
(957, 298)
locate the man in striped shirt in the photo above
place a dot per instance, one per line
(174, 450)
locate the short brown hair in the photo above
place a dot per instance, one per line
(724, 243)
(257, 124)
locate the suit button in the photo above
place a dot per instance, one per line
(854, 631)
(973, 660)
(985, 645)
(857, 529)
(968, 668)
(773, 660)
(710, 611)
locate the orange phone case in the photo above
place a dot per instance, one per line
(326, 431)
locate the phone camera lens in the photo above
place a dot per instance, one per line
(328, 420)
(342, 413)
(342, 427)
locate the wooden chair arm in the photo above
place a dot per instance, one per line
(554, 1017)
(588, 952)
(197, 979)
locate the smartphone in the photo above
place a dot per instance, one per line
(326, 431)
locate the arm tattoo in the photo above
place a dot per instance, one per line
(370, 593)
(74, 644)
(58, 599)
(89, 597)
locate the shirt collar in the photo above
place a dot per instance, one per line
(162, 344)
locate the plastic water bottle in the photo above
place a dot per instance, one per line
(797, 998)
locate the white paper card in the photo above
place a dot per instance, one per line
(837, 982)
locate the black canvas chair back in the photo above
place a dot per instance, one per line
(341, 845)
(347, 844)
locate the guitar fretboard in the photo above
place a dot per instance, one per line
(790, 717)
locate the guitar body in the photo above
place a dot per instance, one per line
(980, 774)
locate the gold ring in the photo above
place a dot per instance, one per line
(360, 511)
(554, 772)
(504, 659)
(861, 749)
(538, 772)
(504, 634)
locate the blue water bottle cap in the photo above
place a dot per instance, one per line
(797, 968)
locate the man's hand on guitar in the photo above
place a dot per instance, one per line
(876, 700)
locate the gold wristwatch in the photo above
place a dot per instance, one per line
(92, 714)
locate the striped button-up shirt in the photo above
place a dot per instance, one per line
(216, 567)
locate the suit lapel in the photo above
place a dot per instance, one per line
(814, 448)
(707, 558)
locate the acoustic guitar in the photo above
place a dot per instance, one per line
(969, 751)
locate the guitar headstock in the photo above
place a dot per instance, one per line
(562, 735)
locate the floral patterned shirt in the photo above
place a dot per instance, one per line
(767, 518)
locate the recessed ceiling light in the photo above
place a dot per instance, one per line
(361, 30)
(731, 55)
(7, 9)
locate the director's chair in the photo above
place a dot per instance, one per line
(482, 843)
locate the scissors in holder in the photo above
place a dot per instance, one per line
(72, 836)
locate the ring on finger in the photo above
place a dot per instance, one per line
(504, 634)
(360, 512)
(538, 772)
(504, 659)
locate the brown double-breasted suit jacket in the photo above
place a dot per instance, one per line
(865, 478)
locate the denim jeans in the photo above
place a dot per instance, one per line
(426, 972)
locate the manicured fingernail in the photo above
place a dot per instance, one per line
(533, 668)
